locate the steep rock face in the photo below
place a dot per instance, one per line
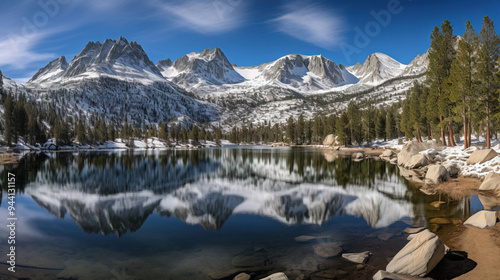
(294, 69)
(55, 69)
(418, 66)
(209, 67)
(116, 58)
(377, 68)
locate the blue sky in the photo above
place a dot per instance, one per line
(249, 32)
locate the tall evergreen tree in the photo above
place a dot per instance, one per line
(461, 79)
(487, 67)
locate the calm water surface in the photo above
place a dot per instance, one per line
(209, 214)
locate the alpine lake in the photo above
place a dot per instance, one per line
(211, 213)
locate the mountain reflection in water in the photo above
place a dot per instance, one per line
(115, 192)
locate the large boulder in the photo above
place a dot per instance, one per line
(436, 174)
(491, 182)
(482, 219)
(419, 256)
(276, 276)
(480, 156)
(329, 140)
(417, 161)
(412, 148)
(453, 168)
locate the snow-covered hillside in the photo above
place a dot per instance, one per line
(116, 79)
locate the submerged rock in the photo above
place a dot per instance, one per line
(482, 219)
(419, 256)
(307, 238)
(491, 182)
(276, 276)
(357, 257)
(242, 276)
(480, 156)
(328, 249)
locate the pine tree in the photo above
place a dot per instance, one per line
(290, 130)
(80, 132)
(487, 67)
(441, 56)
(300, 130)
(164, 135)
(461, 79)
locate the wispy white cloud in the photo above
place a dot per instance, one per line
(311, 23)
(18, 52)
(217, 16)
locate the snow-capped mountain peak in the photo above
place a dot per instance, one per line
(377, 68)
(113, 58)
(55, 69)
(210, 67)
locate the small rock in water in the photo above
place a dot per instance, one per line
(385, 236)
(327, 250)
(357, 257)
(434, 227)
(242, 276)
(360, 267)
(307, 238)
(276, 276)
(436, 204)
(440, 221)
(413, 230)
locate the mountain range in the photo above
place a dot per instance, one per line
(116, 79)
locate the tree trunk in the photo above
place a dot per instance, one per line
(488, 140)
(466, 144)
(419, 137)
(443, 139)
(451, 138)
(469, 123)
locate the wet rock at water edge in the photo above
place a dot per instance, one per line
(491, 182)
(436, 174)
(387, 153)
(360, 258)
(328, 249)
(419, 256)
(482, 219)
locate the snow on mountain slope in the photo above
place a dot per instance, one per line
(377, 68)
(116, 80)
(52, 71)
(118, 59)
(418, 66)
(210, 67)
